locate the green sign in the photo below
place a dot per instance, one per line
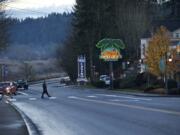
(110, 49)
(162, 65)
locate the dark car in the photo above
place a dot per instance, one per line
(65, 80)
(22, 84)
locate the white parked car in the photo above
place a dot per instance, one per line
(105, 78)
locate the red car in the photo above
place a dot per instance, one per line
(7, 88)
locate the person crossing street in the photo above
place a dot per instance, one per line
(45, 91)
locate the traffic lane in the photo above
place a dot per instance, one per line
(130, 102)
(169, 103)
(86, 117)
(91, 110)
(135, 118)
(156, 102)
(152, 102)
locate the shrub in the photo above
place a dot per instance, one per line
(141, 78)
(151, 87)
(99, 84)
(172, 84)
(174, 91)
(116, 83)
(159, 83)
(127, 82)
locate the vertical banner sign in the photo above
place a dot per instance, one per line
(81, 69)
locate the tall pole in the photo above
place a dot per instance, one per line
(111, 74)
(165, 76)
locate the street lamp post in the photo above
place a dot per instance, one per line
(167, 59)
(166, 80)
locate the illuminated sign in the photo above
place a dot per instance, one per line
(110, 54)
(110, 49)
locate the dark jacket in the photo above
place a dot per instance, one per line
(44, 87)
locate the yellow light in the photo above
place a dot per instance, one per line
(110, 55)
(170, 59)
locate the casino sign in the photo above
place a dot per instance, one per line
(110, 49)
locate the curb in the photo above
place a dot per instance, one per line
(31, 127)
(145, 94)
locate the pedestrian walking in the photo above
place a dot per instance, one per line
(44, 90)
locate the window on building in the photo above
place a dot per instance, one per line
(177, 35)
(144, 49)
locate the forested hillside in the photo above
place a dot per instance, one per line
(42, 31)
(37, 38)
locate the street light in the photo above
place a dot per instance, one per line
(170, 59)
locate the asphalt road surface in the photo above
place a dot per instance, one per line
(75, 111)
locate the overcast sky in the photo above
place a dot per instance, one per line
(37, 8)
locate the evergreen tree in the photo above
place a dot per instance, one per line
(133, 19)
(3, 27)
(93, 20)
(124, 19)
(175, 8)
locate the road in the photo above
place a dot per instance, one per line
(75, 111)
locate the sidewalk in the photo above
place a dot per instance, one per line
(11, 122)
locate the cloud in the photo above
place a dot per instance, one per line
(29, 4)
(35, 13)
(35, 8)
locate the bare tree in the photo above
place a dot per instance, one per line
(27, 71)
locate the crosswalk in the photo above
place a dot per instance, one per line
(100, 96)
(111, 98)
(26, 97)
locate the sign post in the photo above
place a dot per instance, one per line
(110, 52)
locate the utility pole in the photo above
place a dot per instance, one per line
(111, 74)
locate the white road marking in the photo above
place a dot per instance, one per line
(146, 99)
(32, 99)
(6, 102)
(72, 97)
(130, 106)
(23, 93)
(92, 96)
(66, 86)
(118, 100)
(12, 99)
(52, 97)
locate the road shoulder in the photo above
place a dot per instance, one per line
(11, 122)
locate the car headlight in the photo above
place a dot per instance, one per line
(7, 90)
